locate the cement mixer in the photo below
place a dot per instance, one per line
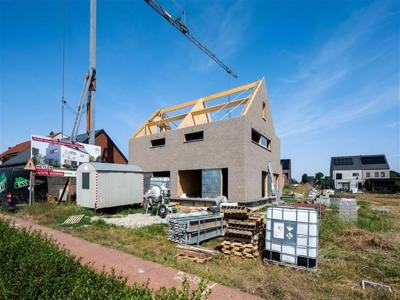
(157, 197)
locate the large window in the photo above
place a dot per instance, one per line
(85, 181)
(355, 174)
(260, 140)
(194, 136)
(338, 175)
(382, 174)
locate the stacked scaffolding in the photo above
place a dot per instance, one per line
(195, 229)
(244, 235)
(348, 209)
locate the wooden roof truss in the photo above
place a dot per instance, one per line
(199, 111)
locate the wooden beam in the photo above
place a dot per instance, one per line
(179, 106)
(259, 82)
(191, 120)
(220, 106)
(146, 126)
(167, 120)
(212, 97)
(142, 130)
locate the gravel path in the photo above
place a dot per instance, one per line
(132, 220)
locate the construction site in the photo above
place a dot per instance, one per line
(194, 199)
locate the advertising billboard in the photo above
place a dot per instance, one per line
(55, 157)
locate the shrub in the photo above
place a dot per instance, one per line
(33, 267)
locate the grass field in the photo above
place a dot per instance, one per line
(349, 253)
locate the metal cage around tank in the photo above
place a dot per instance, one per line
(292, 236)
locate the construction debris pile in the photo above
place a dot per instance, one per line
(244, 236)
(195, 229)
(196, 254)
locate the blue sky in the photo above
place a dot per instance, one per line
(332, 69)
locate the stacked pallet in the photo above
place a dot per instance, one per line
(195, 254)
(244, 235)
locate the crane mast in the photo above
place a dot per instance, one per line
(180, 25)
(88, 94)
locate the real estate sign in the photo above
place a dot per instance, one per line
(55, 157)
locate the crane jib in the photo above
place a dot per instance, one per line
(178, 24)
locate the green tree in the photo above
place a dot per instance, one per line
(319, 176)
(327, 183)
(304, 178)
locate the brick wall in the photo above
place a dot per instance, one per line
(109, 153)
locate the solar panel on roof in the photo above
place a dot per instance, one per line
(373, 160)
(342, 161)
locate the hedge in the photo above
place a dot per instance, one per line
(33, 267)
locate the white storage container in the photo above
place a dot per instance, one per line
(102, 185)
(292, 236)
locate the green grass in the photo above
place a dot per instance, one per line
(371, 221)
(369, 249)
(53, 214)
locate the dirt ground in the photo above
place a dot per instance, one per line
(348, 253)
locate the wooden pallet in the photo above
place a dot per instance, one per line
(241, 249)
(196, 259)
(244, 234)
(196, 254)
(235, 212)
(241, 254)
(75, 219)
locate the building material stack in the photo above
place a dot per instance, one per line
(195, 229)
(244, 236)
(348, 209)
(196, 254)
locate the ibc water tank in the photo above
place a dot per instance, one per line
(292, 236)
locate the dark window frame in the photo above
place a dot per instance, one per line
(158, 142)
(339, 176)
(195, 136)
(85, 181)
(257, 138)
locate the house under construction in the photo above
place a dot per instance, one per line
(216, 145)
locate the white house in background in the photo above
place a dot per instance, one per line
(350, 172)
(66, 156)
